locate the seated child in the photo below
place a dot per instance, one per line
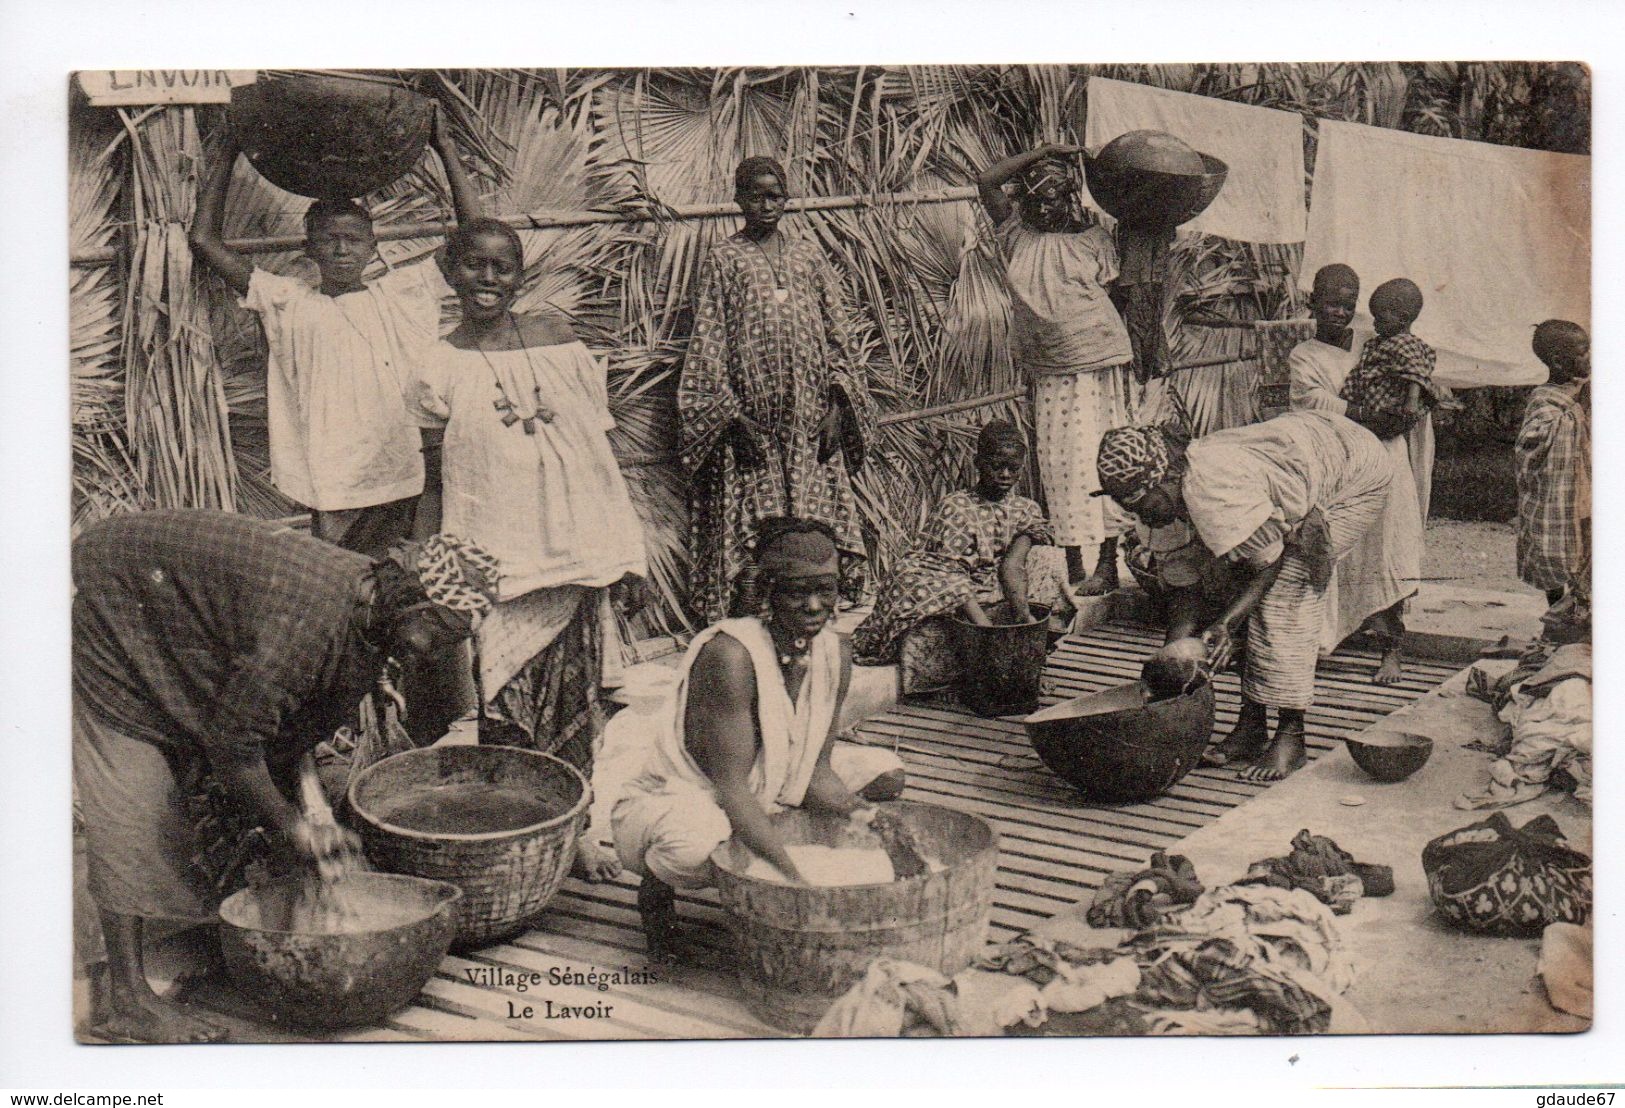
(972, 555)
(1391, 387)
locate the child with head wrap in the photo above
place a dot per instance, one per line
(970, 561)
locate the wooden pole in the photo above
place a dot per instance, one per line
(547, 220)
(1020, 394)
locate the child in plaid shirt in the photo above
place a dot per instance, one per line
(1391, 387)
(1553, 456)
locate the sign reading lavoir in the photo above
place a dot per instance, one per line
(124, 87)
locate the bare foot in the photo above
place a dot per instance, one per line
(1245, 741)
(156, 1020)
(1102, 581)
(1280, 758)
(887, 786)
(1388, 671)
(594, 862)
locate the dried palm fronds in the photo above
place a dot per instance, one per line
(175, 401)
(104, 476)
(929, 309)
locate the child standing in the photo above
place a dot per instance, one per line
(972, 555)
(1390, 391)
(342, 358)
(1553, 456)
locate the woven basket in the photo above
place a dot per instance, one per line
(507, 877)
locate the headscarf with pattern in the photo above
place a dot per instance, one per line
(452, 572)
(1050, 173)
(1131, 462)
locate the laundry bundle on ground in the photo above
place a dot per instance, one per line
(1546, 704)
(1326, 871)
(1493, 878)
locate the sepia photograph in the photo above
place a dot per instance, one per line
(830, 551)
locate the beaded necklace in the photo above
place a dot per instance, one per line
(503, 403)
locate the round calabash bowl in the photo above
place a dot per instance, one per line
(1153, 179)
(349, 978)
(1390, 755)
(331, 136)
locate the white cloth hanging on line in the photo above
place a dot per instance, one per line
(1263, 196)
(1497, 237)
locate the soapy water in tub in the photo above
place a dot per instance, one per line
(831, 866)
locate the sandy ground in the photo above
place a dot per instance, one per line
(1475, 555)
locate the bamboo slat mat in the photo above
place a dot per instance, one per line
(1054, 849)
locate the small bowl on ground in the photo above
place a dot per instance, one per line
(344, 978)
(1390, 755)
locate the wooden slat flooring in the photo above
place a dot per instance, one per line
(1054, 848)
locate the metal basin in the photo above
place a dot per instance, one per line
(346, 979)
(1002, 667)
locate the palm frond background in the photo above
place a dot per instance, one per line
(168, 373)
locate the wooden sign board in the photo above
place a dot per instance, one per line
(109, 88)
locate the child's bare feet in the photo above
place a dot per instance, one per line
(1389, 671)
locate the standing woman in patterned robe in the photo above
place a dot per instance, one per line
(775, 415)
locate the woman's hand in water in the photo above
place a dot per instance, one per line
(321, 842)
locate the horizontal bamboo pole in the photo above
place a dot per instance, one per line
(1017, 394)
(546, 220)
(956, 406)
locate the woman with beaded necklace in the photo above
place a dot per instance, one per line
(515, 411)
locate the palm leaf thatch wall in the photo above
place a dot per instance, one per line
(168, 373)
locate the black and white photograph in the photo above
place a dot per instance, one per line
(844, 551)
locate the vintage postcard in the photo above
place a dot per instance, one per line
(846, 551)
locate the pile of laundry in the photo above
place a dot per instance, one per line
(1546, 703)
(1162, 956)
